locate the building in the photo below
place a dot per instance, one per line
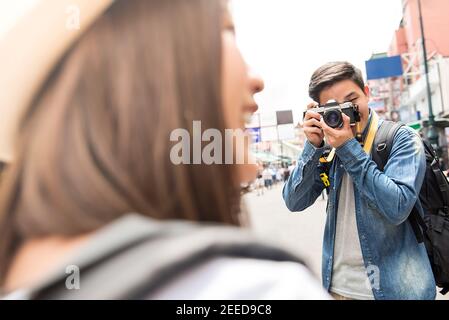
(407, 42)
(404, 97)
(407, 95)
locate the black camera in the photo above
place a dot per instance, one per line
(332, 113)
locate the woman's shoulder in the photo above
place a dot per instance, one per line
(242, 278)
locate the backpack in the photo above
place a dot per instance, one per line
(135, 256)
(433, 228)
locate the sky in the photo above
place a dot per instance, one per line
(284, 41)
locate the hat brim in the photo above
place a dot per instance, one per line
(29, 51)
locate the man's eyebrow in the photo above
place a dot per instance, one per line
(350, 95)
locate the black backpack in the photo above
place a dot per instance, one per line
(433, 228)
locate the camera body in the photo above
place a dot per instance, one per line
(332, 113)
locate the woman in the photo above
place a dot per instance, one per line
(94, 146)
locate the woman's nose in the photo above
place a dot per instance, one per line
(256, 83)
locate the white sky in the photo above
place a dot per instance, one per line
(286, 40)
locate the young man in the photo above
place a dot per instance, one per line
(369, 248)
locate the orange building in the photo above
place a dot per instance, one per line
(412, 98)
(436, 23)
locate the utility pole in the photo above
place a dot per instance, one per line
(432, 134)
(280, 143)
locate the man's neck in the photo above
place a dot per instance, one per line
(365, 124)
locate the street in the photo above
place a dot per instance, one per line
(302, 232)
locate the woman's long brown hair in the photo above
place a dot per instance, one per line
(95, 143)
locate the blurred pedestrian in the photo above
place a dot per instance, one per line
(279, 174)
(286, 174)
(268, 178)
(259, 184)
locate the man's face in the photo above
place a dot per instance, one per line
(348, 91)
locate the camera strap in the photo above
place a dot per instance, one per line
(367, 144)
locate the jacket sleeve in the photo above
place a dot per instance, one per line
(304, 185)
(393, 192)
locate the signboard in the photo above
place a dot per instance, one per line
(384, 68)
(284, 117)
(416, 125)
(255, 134)
(286, 132)
(377, 105)
(268, 119)
(269, 133)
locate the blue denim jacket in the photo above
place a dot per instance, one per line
(397, 266)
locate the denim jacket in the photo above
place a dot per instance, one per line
(397, 266)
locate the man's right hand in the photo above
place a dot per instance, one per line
(312, 126)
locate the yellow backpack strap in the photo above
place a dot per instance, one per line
(369, 140)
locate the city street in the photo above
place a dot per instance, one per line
(185, 112)
(300, 232)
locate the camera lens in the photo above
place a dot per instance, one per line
(333, 119)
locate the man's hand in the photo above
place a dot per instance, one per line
(312, 126)
(337, 137)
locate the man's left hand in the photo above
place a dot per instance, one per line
(338, 137)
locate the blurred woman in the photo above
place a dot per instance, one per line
(94, 146)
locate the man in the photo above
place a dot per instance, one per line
(369, 249)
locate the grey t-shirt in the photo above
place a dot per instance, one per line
(349, 276)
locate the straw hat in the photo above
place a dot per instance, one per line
(29, 52)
